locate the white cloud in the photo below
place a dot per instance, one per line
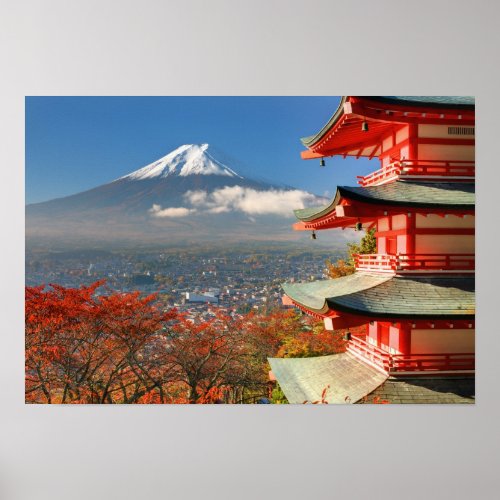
(196, 197)
(251, 201)
(157, 211)
(218, 210)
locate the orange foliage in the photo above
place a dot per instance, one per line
(121, 348)
(339, 268)
(82, 347)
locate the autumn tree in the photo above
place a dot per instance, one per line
(344, 267)
(88, 349)
(91, 345)
(206, 352)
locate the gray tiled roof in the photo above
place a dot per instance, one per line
(430, 100)
(389, 297)
(425, 390)
(456, 102)
(304, 379)
(421, 194)
(443, 195)
(313, 294)
(311, 213)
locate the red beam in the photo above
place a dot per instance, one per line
(427, 230)
(310, 155)
(391, 116)
(446, 141)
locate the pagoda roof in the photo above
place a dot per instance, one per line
(443, 101)
(383, 296)
(311, 139)
(449, 195)
(342, 133)
(345, 378)
(426, 390)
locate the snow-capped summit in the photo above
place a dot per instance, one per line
(187, 196)
(189, 159)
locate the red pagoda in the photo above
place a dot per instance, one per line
(415, 296)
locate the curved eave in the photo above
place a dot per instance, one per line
(449, 196)
(364, 194)
(314, 296)
(468, 314)
(374, 296)
(342, 133)
(312, 139)
(314, 213)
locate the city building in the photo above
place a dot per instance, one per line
(415, 295)
(212, 296)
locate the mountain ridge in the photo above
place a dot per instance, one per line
(193, 159)
(187, 195)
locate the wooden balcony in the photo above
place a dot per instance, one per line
(421, 169)
(432, 362)
(369, 353)
(403, 363)
(416, 263)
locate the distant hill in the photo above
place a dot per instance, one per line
(186, 197)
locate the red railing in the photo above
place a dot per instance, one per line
(397, 363)
(381, 175)
(424, 168)
(415, 262)
(432, 362)
(376, 356)
(376, 262)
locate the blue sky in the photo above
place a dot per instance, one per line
(77, 143)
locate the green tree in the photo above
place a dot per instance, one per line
(278, 397)
(343, 267)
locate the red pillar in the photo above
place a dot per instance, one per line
(413, 141)
(405, 338)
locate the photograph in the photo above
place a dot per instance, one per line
(250, 250)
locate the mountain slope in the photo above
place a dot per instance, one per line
(189, 159)
(187, 195)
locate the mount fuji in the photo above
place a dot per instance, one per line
(189, 159)
(187, 196)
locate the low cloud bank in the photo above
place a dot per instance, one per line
(240, 199)
(250, 201)
(157, 211)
